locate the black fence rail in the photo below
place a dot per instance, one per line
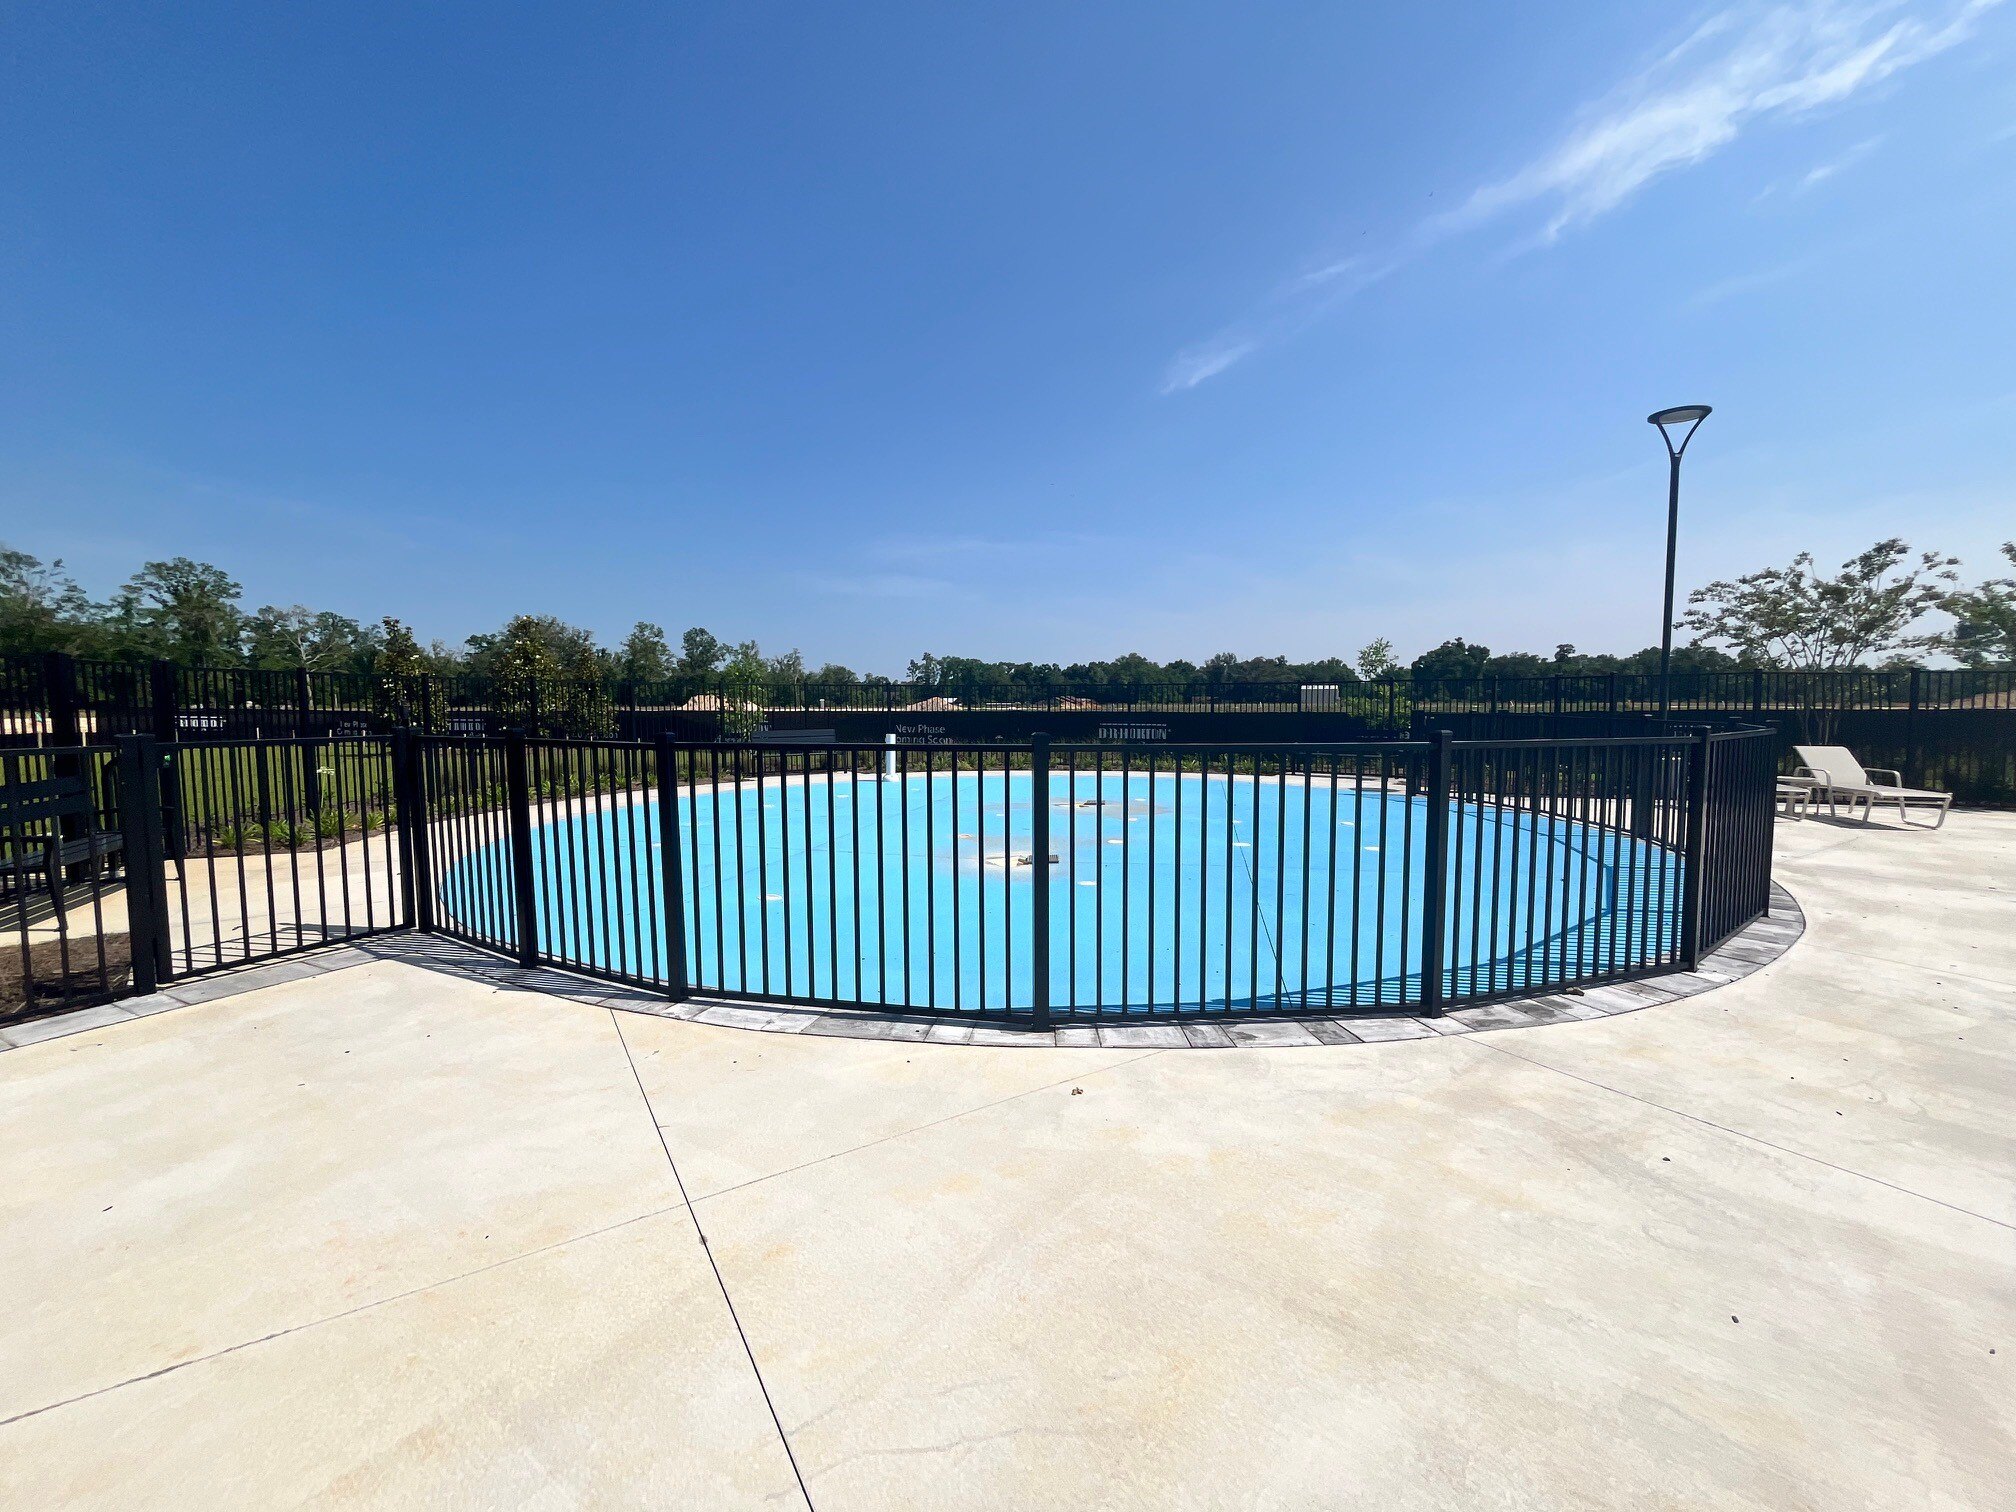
(59, 700)
(1038, 883)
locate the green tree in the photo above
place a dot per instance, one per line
(545, 676)
(1984, 632)
(645, 656)
(1453, 661)
(396, 674)
(1220, 670)
(399, 654)
(835, 684)
(1519, 664)
(1376, 660)
(700, 653)
(297, 636)
(189, 611)
(41, 609)
(744, 684)
(1796, 618)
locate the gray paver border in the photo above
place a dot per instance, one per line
(1743, 954)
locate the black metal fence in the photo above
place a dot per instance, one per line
(1951, 730)
(1038, 883)
(1030, 882)
(272, 847)
(62, 914)
(125, 869)
(61, 700)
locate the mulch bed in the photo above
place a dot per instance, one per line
(200, 849)
(52, 991)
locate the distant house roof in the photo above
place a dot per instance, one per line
(1070, 701)
(931, 704)
(713, 701)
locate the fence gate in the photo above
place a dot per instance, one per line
(264, 848)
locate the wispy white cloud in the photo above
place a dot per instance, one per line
(1738, 69)
(1732, 72)
(1300, 300)
(1207, 359)
(1819, 173)
(1739, 284)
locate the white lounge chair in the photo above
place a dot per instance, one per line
(1838, 775)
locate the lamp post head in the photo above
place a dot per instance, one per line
(1689, 415)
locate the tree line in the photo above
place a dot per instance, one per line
(1870, 612)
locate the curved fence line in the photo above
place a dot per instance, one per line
(1396, 876)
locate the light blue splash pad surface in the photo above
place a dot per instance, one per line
(1172, 891)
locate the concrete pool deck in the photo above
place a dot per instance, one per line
(394, 1235)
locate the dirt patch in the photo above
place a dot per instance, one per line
(45, 988)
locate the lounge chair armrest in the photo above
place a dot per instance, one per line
(1816, 772)
(1896, 777)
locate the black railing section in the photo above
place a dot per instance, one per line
(1048, 882)
(62, 858)
(126, 868)
(61, 700)
(1952, 729)
(1734, 874)
(275, 847)
(1029, 882)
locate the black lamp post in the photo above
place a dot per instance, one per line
(1691, 416)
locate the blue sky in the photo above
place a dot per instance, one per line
(1048, 331)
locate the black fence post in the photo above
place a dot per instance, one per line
(59, 686)
(311, 776)
(673, 862)
(1435, 866)
(142, 837)
(165, 691)
(1039, 864)
(1914, 762)
(66, 728)
(524, 892)
(304, 703)
(1697, 850)
(416, 860)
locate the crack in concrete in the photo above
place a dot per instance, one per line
(337, 1317)
(1755, 1139)
(928, 1124)
(712, 1264)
